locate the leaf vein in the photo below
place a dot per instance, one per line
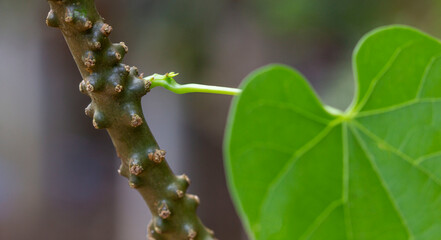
(402, 155)
(421, 159)
(425, 76)
(320, 219)
(293, 159)
(383, 183)
(345, 180)
(383, 72)
(397, 107)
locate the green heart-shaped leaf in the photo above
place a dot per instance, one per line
(300, 170)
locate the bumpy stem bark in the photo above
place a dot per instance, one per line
(116, 90)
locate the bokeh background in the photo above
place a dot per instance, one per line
(58, 175)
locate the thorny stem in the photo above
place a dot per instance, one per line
(116, 90)
(167, 81)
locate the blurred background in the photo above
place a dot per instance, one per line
(58, 176)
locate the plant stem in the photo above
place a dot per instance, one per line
(167, 81)
(116, 90)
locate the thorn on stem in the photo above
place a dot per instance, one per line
(97, 45)
(180, 193)
(192, 234)
(158, 156)
(95, 125)
(132, 185)
(89, 110)
(88, 24)
(186, 178)
(123, 44)
(90, 87)
(106, 29)
(211, 232)
(118, 88)
(134, 71)
(89, 60)
(51, 19)
(136, 120)
(99, 120)
(81, 86)
(136, 169)
(157, 230)
(148, 85)
(118, 56)
(68, 18)
(194, 198)
(164, 211)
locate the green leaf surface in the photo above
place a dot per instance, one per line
(300, 170)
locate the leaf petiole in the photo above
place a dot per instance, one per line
(166, 81)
